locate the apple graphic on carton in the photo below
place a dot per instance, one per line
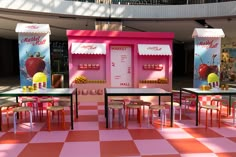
(204, 70)
(34, 64)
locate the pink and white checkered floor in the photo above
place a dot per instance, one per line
(90, 138)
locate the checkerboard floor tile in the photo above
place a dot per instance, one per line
(90, 137)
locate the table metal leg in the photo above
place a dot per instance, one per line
(0, 119)
(71, 112)
(106, 108)
(196, 110)
(171, 112)
(76, 104)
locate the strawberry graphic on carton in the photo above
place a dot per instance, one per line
(34, 63)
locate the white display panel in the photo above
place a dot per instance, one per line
(121, 70)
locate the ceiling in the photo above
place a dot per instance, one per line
(182, 29)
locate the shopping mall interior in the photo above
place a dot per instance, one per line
(90, 136)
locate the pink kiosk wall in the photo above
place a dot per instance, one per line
(117, 38)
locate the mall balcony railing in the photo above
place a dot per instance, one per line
(153, 2)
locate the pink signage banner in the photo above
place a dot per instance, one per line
(121, 74)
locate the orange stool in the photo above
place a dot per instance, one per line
(44, 100)
(134, 104)
(215, 104)
(59, 109)
(6, 107)
(156, 108)
(31, 102)
(115, 105)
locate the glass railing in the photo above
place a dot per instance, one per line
(153, 2)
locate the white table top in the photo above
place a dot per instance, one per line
(49, 91)
(211, 91)
(136, 90)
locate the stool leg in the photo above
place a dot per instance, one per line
(110, 117)
(48, 120)
(180, 112)
(219, 117)
(173, 114)
(7, 118)
(211, 117)
(164, 113)
(143, 111)
(123, 116)
(234, 114)
(14, 121)
(31, 126)
(199, 117)
(127, 118)
(140, 117)
(162, 118)
(206, 117)
(148, 119)
(63, 119)
(120, 115)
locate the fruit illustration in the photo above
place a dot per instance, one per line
(34, 64)
(204, 70)
(213, 80)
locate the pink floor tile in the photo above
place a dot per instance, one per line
(88, 112)
(49, 136)
(114, 135)
(83, 149)
(154, 147)
(226, 131)
(199, 155)
(175, 133)
(11, 150)
(85, 125)
(218, 145)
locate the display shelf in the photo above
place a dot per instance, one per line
(158, 81)
(157, 67)
(90, 92)
(89, 67)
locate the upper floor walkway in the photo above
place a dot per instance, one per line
(151, 9)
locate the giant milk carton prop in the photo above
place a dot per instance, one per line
(34, 52)
(207, 47)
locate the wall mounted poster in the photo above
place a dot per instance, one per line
(34, 55)
(121, 70)
(207, 61)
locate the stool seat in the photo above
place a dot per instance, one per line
(9, 104)
(115, 105)
(174, 103)
(21, 109)
(55, 108)
(156, 107)
(24, 100)
(209, 107)
(133, 105)
(42, 100)
(117, 99)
